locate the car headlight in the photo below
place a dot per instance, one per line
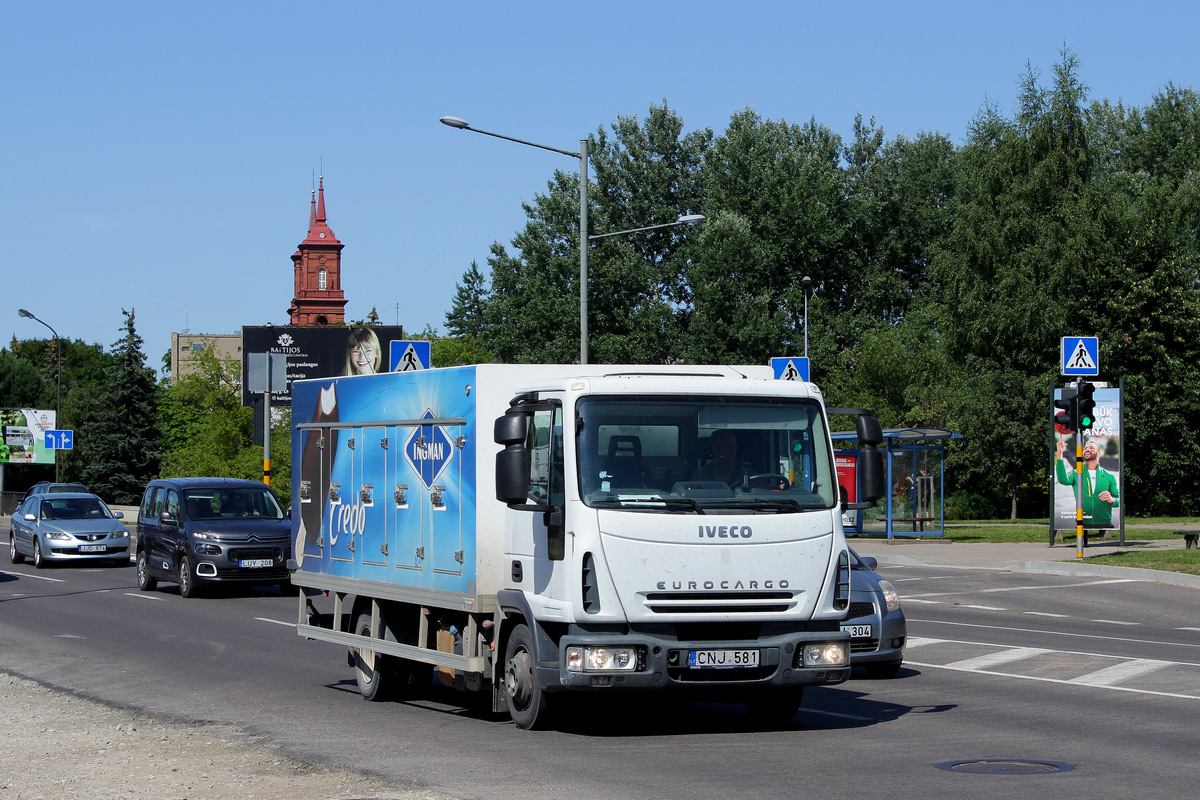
(202, 535)
(890, 595)
(829, 654)
(59, 536)
(121, 534)
(582, 658)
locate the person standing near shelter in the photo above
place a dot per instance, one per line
(1100, 494)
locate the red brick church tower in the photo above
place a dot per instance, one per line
(318, 299)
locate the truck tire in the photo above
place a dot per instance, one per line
(371, 670)
(774, 709)
(146, 582)
(523, 696)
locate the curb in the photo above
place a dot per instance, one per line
(1106, 571)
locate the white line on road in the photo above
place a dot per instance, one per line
(1119, 672)
(68, 636)
(1030, 588)
(1115, 622)
(1052, 633)
(27, 575)
(141, 596)
(1046, 614)
(276, 622)
(996, 659)
(983, 608)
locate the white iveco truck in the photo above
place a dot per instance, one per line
(534, 530)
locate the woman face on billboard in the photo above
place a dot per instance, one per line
(362, 352)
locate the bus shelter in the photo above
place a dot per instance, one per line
(915, 505)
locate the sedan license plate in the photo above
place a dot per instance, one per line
(92, 548)
(255, 562)
(857, 631)
(722, 659)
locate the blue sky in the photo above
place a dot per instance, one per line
(160, 156)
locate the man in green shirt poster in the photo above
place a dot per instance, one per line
(1100, 495)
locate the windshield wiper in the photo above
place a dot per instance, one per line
(669, 503)
(787, 504)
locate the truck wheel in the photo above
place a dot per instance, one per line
(145, 582)
(13, 555)
(774, 708)
(370, 668)
(525, 699)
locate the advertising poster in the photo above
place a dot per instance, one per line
(324, 352)
(846, 465)
(25, 436)
(1102, 454)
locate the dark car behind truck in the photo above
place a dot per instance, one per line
(199, 532)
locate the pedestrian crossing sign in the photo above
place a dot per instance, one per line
(1080, 355)
(408, 356)
(790, 369)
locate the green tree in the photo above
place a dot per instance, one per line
(118, 437)
(466, 315)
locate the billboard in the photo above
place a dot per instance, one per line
(24, 431)
(1102, 454)
(319, 352)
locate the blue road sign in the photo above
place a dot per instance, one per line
(408, 356)
(60, 440)
(1080, 355)
(790, 369)
(429, 449)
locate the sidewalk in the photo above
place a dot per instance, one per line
(1023, 556)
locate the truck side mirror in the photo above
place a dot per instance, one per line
(511, 428)
(872, 481)
(868, 429)
(512, 473)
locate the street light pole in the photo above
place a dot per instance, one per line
(582, 155)
(58, 394)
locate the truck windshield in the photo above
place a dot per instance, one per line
(704, 454)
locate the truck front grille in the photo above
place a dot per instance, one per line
(719, 602)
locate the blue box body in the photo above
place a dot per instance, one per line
(384, 478)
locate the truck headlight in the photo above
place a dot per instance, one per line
(890, 595)
(583, 658)
(830, 654)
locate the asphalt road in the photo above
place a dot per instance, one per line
(1015, 683)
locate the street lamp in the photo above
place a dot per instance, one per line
(806, 282)
(58, 395)
(686, 219)
(582, 155)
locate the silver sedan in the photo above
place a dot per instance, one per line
(67, 527)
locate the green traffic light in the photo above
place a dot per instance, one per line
(1087, 406)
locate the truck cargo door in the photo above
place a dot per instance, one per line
(344, 522)
(404, 503)
(371, 494)
(445, 504)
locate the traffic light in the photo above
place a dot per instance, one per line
(1064, 420)
(1086, 410)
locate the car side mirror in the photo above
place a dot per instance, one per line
(119, 514)
(167, 518)
(31, 517)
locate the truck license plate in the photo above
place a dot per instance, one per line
(255, 562)
(722, 659)
(857, 631)
(92, 548)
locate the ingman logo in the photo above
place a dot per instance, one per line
(726, 531)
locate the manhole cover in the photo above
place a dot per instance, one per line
(1006, 766)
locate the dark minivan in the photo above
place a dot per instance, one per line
(197, 531)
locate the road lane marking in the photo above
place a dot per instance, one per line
(1120, 672)
(1115, 622)
(141, 596)
(1108, 638)
(1028, 588)
(1187, 629)
(1046, 614)
(276, 622)
(1060, 681)
(982, 608)
(1005, 656)
(35, 577)
(68, 636)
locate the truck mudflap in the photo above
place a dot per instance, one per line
(639, 661)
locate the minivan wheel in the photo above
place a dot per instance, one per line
(13, 555)
(187, 579)
(146, 582)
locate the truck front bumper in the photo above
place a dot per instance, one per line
(666, 663)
